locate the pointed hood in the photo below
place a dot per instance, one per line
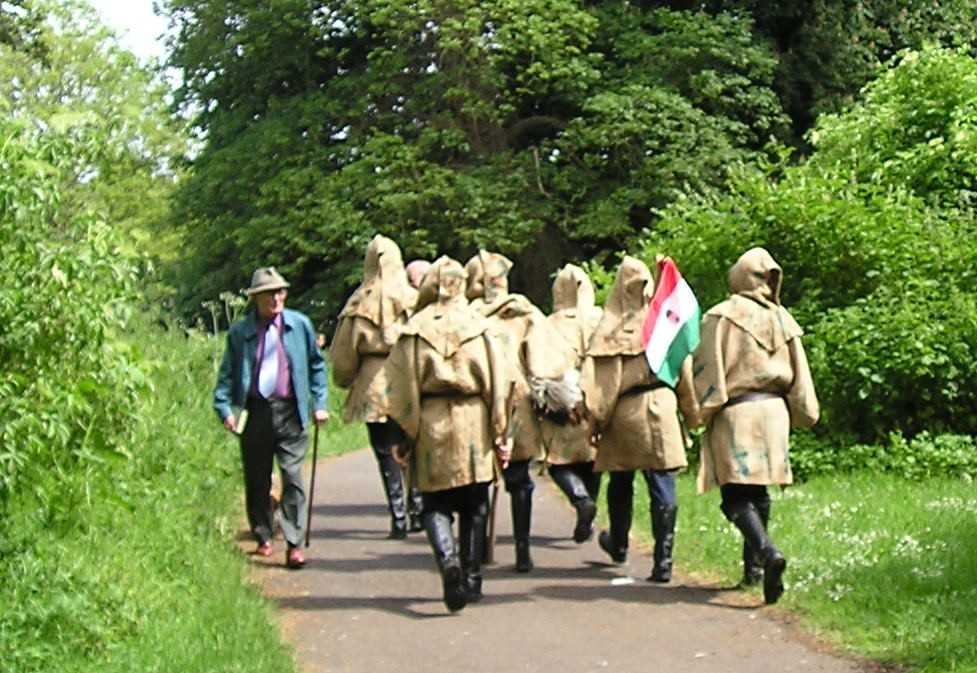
(444, 319)
(572, 289)
(384, 296)
(488, 276)
(619, 330)
(756, 275)
(754, 306)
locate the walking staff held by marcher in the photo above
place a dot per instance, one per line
(753, 384)
(532, 346)
(273, 372)
(369, 326)
(567, 433)
(447, 382)
(637, 418)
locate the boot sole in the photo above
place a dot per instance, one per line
(455, 596)
(773, 587)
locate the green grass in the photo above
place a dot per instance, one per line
(131, 562)
(879, 565)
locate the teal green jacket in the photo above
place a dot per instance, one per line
(305, 364)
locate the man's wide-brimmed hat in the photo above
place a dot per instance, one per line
(265, 279)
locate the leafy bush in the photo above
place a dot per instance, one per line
(151, 538)
(903, 359)
(924, 456)
(68, 382)
(876, 268)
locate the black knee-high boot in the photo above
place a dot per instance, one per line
(522, 514)
(591, 480)
(415, 505)
(620, 494)
(442, 539)
(663, 531)
(745, 516)
(471, 542)
(576, 491)
(752, 561)
(393, 486)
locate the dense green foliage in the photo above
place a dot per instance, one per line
(550, 130)
(66, 388)
(84, 141)
(871, 232)
(126, 146)
(115, 510)
(96, 565)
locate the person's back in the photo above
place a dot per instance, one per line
(753, 384)
(448, 383)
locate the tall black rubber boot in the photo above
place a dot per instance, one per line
(745, 516)
(415, 505)
(393, 486)
(471, 543)
(663, 531)
(576, 491)
(752, 561)
(591, 481)
(522, 514)
(620, 495)
(442, 540)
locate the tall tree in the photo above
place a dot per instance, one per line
(521, 126)
(113, 107)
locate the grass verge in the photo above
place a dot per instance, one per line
(878, 565)
(129, 562)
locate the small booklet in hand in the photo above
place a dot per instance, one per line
(242, 420)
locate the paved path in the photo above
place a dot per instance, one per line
(365, 604)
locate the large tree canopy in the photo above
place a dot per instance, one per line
(546, 129)
(543, 128)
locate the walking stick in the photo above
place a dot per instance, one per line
(488, 554)
(315, 459)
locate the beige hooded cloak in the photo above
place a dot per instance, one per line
(368, 327)
(529, 343)
(751, 344)
(447, 385)
(636, 414)
(574, 318)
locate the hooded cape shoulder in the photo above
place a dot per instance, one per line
(444, 319)
(384, 297)
(619, 330)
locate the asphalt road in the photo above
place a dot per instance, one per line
(365, 604)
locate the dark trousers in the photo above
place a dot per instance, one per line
(584, 472)
(735, 494)
(274, 431)
(384, 437)
(516, 477)
(620, 499)
(468, 500)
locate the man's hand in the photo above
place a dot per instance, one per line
(320, 416)
(230, 423)
(400, 454)
(503, 450)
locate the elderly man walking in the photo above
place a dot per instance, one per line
(273, 372)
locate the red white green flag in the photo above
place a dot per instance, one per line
(670, 331)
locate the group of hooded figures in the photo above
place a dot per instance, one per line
(461, 382)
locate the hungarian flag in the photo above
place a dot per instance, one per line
(671, 328)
